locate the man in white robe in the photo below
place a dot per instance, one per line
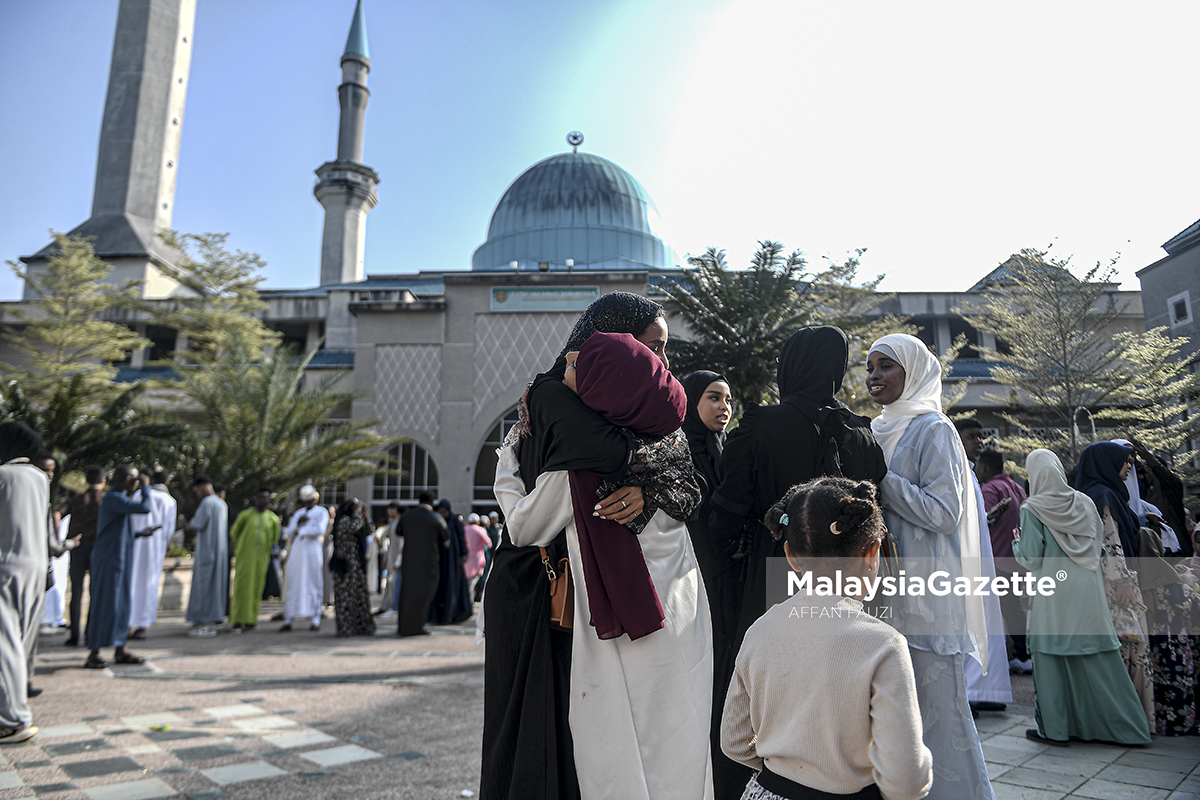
(148, 555)
(24, 498)
(305, 583)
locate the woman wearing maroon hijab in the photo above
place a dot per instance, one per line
(641, 667)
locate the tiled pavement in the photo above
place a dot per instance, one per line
(1025, 770)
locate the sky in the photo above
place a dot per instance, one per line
(941, 136)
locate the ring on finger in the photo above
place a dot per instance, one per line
(623, 504)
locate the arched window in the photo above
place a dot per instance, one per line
(485, 464)
(410, 472)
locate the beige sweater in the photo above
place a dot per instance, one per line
(824, 694)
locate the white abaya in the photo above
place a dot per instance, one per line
(60, 567)
(148, 555)
(24, 498)
(995, 686)
(639, 709)
(305, 582)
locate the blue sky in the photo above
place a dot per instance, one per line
(942, 136)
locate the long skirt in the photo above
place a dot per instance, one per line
(958, 769)
(528, 752)
(1174, 659)
(1088, 697)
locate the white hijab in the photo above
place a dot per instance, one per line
(1070, 515)
(1140, 507)
(923, 395)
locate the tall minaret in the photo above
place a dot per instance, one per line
(139, 144)
(347, 186)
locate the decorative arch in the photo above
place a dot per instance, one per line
(485, 463)
(410, 471)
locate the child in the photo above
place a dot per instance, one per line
(823, 699)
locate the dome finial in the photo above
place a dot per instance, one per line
(575, 138)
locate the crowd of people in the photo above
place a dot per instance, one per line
(640, 643)
(116, 532)
(683, 671)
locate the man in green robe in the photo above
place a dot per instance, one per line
(254, 533)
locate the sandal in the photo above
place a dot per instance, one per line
(139, 633)
(95, 663)
(129, 658)
(1033, 735)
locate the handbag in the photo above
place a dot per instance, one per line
(562, 593)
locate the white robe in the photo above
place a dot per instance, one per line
(639, 709)
(24, 498)
(995, 686)
(56, 595)
(148, 555)
(305, 559)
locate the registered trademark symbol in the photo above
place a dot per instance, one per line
(1062, 575)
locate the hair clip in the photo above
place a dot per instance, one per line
(833, 528)
(784, 519)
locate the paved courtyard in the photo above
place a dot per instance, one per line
(307, 715)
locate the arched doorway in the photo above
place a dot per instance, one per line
(482, 498)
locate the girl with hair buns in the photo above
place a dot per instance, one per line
(933, 513)
(823, 701)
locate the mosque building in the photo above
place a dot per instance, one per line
(437, 359)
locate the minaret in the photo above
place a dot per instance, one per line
(139, 144)
(346, 187)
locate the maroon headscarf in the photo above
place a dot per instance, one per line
(619, 377)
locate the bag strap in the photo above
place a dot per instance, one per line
(550, 573)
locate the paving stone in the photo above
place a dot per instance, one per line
(287, 713)
(361, 739)
(253, 699)
(238, 710)
(143, 748)
(51, 788)
(314, 774)
(1108, 790)
(1041, 779)
(175, 735)
(182, 708)
(993, 770)
(274, 754)
(205, 752)
(133, 790)
(1164, 762)
(146, 720)
(208, 794)
(41, 762)
(325, 724)
(411, 755)
(172, 770)
(997, 754)
(340, 755)
(237, 773)
(1066, 765)
(300, 738)
(264, 723)
(1137, 776)
(10, 780)
(74, 729)
(103, 766)
(95, 718)
(205, 722)
(1007, 791)
(1184, 796)
(74, 748)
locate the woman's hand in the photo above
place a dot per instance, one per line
(622, 505)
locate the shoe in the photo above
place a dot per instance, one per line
(95, 663)
(32, 691)
(287, 626)
(387, 615)
(314, 627)
(1033, 735)
(47, 630)
(138, 633)
(17, 735)
(1018, 667)
(203, 630)
(988, 705)
(71, 643)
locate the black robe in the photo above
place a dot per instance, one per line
(425, 537)
(452, 601)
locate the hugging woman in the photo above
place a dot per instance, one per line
(604, 710)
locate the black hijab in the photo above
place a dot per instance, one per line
(706, 445)
(548, 446)
(1098, 475)
(812, 365)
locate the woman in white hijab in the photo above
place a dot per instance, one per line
(930, 508)
(1081, 687)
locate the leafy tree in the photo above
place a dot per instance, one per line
(738, 320)
(223, 303)
(849, 306)
(1159, 390)
(258, 423)
(122, 431)
(67, 347)
(1055, 347)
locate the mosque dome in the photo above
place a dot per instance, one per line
(574, 206)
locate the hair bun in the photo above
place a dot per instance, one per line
(866, 491)
(853, 512)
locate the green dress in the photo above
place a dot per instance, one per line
(1081, 687)
(253, 534)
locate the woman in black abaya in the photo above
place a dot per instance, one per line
(527, 743)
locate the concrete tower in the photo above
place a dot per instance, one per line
(139, 144)
(346, 187)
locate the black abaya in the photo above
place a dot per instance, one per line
(425, 537)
